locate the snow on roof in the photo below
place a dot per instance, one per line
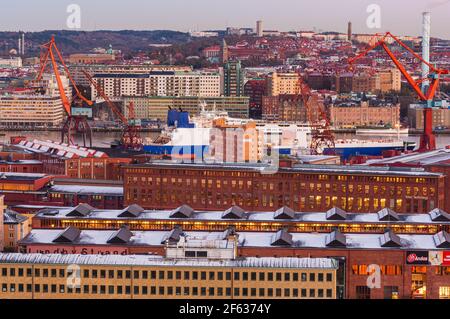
(427, 158)
(311, 168)
(142, 260)
(61, 212)
(87, 190)
(60, 149)
(246, 239)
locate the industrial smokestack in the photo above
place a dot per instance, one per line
(349, 31)
(23, 43)
(426, 33)
(19, 47)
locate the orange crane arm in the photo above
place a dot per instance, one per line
(414, 84)
(62, 92)
(111, 105)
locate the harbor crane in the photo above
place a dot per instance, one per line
(77, 124)
(426, 94)
(322, 136)
(131, 134)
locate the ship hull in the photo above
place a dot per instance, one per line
(347, 152)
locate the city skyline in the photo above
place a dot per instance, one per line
(284, 15)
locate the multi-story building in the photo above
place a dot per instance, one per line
(158, 83)
(234, 143)
(70, 160)
(156, 107)
(15, 228)
(284, 108)
(411, 250)
(352, 115)
(15, 62)
(302, 187)
(283, 84)
(76, 70)
(36, 276)
(233, 79)
(23, 111)
(440, 117)
(90, 58)
(31, 110)
(255, 89)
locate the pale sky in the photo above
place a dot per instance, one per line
(402, 17)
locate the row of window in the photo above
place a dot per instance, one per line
(178, 275)
(170, 291)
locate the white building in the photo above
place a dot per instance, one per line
(15, 62)
(159, 83)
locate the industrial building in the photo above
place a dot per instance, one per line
(161, 185)
(36, 276)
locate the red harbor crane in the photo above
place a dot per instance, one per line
(427, 96)
(74, 123)
(131, 135)
(322, 136)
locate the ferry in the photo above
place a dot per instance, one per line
(382, 131)
(187, 136)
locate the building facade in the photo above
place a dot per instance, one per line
(364, 115)
(301, 187)
(158, 83)
(283, 84)
(233, 79)
(35, 276)
(154, 107)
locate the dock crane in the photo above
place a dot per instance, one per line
(322, 136)
(427, 139)
(73, 123)
(131, 135)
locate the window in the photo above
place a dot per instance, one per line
(86, 273)
(169, 275)
(61, 273)
(362, 292)
(312, 293)
(236, 291)
(161, 274)
(20, 272)
(287, 276)
(329, 277)
(128, 290)
(390, 292)
(320, 277)
(53, 272)
(136, 290)
(94, 273)
(295, 276)
(119, 290)
(144, 274)
(304, 278)
(111, 290)
(111, 274)
(270, 292)
(203, 275)
(287, 292)
(278, 292)
(85, 289)
(320, 293)
(278, 276)
(312, 277)
(236, 276)
(228, 275)
(153, 274)
(211, 275)
(128, 274)
(262, 276)
(245, 276)
(253, 276)
(329, 293)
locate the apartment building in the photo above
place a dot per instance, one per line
(158, 83)
(283, 83)
(352, 115)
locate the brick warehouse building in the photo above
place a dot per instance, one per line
(409, 278)
(384, 238)
(306, 188)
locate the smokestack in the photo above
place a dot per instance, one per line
(19, 47)
(23, 43)
(426, 33)
(349, 31)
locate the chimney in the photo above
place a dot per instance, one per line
(426, 32)
(349, 31)
(23, 43)
(19, 47)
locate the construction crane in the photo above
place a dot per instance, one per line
(74, 123)
(131, 135)
(425, 94)
(322, 136)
